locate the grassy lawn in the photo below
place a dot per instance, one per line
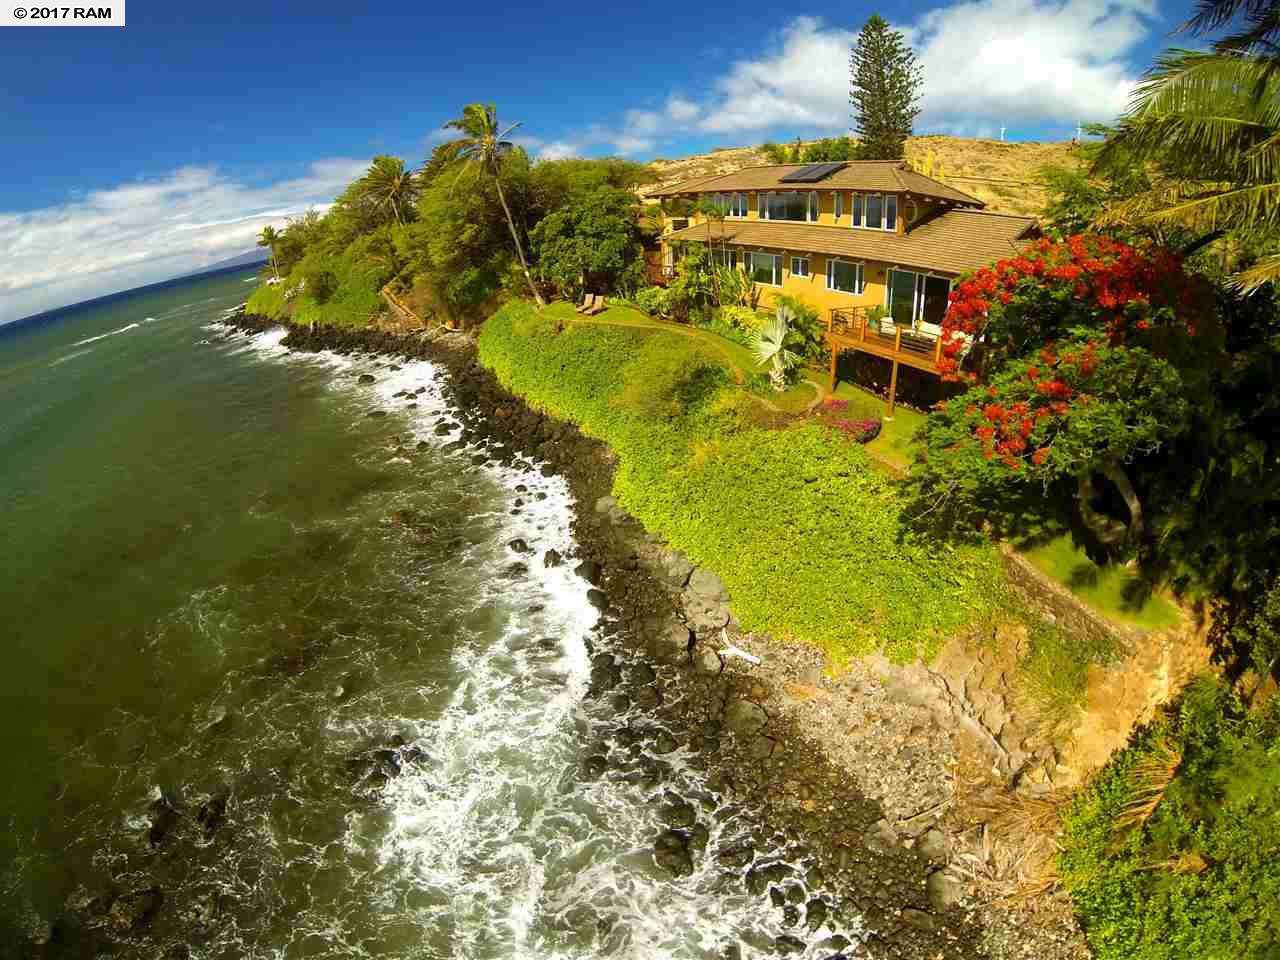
(1112, 591)
(894, 443)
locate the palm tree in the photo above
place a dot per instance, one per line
(267, 238)
(481, 147)
(769, 344)
(388, 184)
(1210, 124)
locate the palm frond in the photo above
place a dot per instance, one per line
(1266, 270)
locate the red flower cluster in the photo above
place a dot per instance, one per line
(1118, 283)
(1019, 431)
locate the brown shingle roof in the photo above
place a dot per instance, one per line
(888, 176)
(953, 242)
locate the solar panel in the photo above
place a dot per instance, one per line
(812, 173)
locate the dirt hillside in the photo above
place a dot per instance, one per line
(1003, 175)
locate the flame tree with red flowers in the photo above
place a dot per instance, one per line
(1079, 356)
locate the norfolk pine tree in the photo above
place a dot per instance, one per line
(884, 81)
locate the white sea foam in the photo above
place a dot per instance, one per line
(513, 856)
(69, 356)
(103, 336)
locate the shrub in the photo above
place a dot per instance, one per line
(864, 431)
(269, 301)
(783, 516)
(654, 300)
(808, 332)
(1174, 850)
(743, 319)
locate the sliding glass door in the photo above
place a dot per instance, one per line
(902, 298)
(917, 300)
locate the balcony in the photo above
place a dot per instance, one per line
(850, 329)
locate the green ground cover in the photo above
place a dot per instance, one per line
(1114, 591)
(1173, 851)
(805, 534)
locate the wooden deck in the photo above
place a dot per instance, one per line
(851, 330)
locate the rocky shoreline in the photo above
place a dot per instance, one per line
(855, 775)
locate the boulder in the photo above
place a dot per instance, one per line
(671, 852)
(674, 568)
(589, 571)
(598, 599)
(706, 660)
(519, 546)
(944, 891)
(745, 717)
(552, 558)
(670, 643)
(366, 378)
(933, 846)
(706, 601)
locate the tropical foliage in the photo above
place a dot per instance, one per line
(1174, 850)
(781, 515)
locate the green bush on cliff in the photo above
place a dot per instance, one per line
(1174, 850)
(805, 534)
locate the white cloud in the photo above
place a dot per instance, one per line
(986, 63)
(558, 150)
(131, 234)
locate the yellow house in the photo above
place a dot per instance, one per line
(846, 237)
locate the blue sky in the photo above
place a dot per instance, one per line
(137, 153)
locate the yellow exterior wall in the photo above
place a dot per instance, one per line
(813, 288)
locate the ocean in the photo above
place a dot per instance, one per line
(270, 687)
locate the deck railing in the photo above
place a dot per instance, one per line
(854, 327)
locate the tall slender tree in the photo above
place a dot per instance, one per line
(481, 147)
(268, 238)
(884, 81)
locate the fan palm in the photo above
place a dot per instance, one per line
(769, 344)
(481, 147)
(1210, 123)
(268, 238)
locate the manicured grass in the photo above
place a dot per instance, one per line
(894, 443)
(806, 534)
(1113, 591)
(795, 399)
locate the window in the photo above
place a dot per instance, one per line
(799, 266)
(875, 211)
(839, 205)
(733, 204)
(844, 276)
(788, 205)
(814, 207)
(762, 205)
(724, 258)
(765, 268)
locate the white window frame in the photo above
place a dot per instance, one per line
(917, 298)
(858, 212)
(813, 207)
(862, 276)
(751, 267)
(839, 205)
(797, 273)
